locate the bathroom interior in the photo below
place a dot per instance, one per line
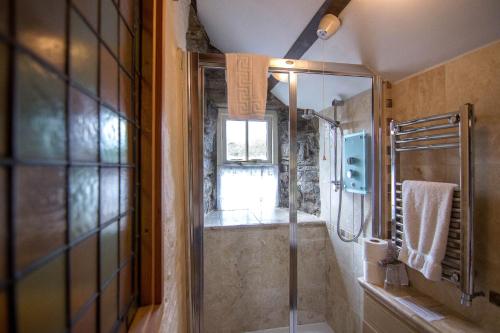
(231, 166)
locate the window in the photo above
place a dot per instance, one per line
(247, 141)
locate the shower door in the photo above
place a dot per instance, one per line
(259, 236)
(329, 296)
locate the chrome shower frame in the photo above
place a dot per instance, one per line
(197, 63)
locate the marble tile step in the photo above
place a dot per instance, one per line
(307, 328)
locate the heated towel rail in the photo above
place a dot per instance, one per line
(443, 131)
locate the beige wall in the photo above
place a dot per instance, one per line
(246, 276)
(473, 78)
(344, 260)
(174, 217)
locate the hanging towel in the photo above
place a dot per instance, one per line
(426, 216)
(246, 78)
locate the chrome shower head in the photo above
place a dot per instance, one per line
(310, 114)
(337, 102)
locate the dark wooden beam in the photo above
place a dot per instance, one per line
(308, 36)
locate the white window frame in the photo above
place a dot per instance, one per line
(272, 138)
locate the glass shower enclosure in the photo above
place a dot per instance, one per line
(263, 194)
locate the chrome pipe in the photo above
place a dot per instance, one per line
(428, 137)
(292, 202)
(309, 114)
(452, 116)
(424, 129)
(429, 147)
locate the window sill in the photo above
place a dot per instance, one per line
(147, 319)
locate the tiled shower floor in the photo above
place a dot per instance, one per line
(252, 217)
(309, 328)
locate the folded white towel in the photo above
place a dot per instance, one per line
(426, 217)
(246, 78)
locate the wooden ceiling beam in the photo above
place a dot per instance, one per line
(308, 36)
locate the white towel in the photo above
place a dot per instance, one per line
(246, 78)
(426, 217)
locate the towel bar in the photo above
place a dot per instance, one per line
(454, 132)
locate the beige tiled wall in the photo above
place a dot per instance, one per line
(344, 260)
(246, 275)
(473, 78)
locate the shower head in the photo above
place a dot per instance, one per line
(337, 102)
(310, 114)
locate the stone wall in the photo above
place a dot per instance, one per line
(307, 148)
(307, 163)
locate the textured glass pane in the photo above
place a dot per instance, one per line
(109, 24)
(3, 223)
(137, 92)
(41, 212)
(125, 238)
(4, 317)
(109, 136)
(40, 27)
(257, 140)
(125, 287)
(125, 142)
(109, 307)
(126, 95)
(126, 189)
(127, 10)
(109, 251)
(109, 194)
(41, 132)
(88, 8)
(123, 328)
(84, 199)
(4, 119)
(4, 16)
(83, 273)
(125, 47)
(87, 323)
(109, 78)
(41, 299)
(235, 140)
(83, 51)
(84, 127)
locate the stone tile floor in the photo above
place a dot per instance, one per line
(308, 328)
(254, 217)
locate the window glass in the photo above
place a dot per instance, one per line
(41, 299)
(235, 140)
(84, 199)
(83, 54)
(257, 140)
(40, 26)
(83, 273)
(41, 123)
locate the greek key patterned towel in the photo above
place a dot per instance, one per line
(246, 78)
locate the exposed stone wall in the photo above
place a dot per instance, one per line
(307, 148)
(307, 163)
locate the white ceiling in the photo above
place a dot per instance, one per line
(395, 38)
(316, 91)
(256, 26)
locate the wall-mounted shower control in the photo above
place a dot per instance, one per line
(351, 160)
(355, 157)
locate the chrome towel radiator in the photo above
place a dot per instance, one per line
(444, 131)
